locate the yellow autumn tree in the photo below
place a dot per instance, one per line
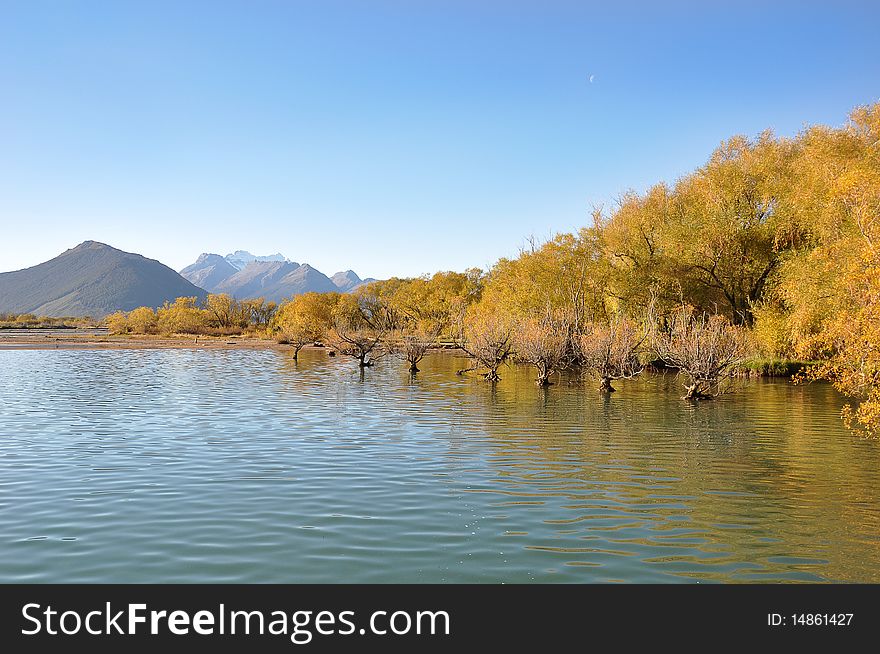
(304, 319)
(143, 320)
(117, 323)
(183, 316)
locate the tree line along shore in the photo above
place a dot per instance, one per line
(766, 255)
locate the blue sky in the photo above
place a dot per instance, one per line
(387, 137)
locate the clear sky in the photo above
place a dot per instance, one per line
(387, 137)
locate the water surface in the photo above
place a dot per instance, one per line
(245, 466)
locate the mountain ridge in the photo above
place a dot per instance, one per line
(92, 279)
(273, 277)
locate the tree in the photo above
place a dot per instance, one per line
(428, 303)
(731, 224)
(854, 363)
(840, 195)
(142, 320)
(182, 317)
(611, 351)
(259, 312)
(702, 347)
(487, 338)
(304, 320)
(226, 312)
(117, 323)
(358, 333)
(412, 345)
(544, 343)
(566, 274)
(634, 245)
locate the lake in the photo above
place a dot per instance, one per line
(191, 465)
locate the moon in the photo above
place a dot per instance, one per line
(592, 77)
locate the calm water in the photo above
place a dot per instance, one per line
(244, 466)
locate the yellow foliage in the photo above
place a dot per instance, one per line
(305, 318)
(772, 331)
(182, 317)
(117, 323)
(142, 320)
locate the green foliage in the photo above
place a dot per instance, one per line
(775, 367)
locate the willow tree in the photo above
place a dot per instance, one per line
(565, 275)
(832, 292)
(703, 348)
(412, 345)
(634, 244)
(427, 303)
(359, 329)
(304, 320)
(142, 320)
(611, 351)
(544, 343)
(183, 316)
(117, 323)
(226, 312)
(258, 311)
(487, 338)
(731, 225)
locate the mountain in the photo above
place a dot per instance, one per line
(275, 281)
(273, 277)
(309, 279)
(254, 279)
(345, 281)
(348, 281)
(240, 258)
(208, 271)
(92, 279)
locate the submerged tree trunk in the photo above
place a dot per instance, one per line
(605, 386)
(695, 392)
(413, 368)
(492, 375)
(544, 373)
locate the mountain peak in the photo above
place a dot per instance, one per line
(208, 256)
(346, 281)
(91, 245)
(240, 258)
(274, 276)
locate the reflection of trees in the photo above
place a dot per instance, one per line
(769, 472)
(704, 489)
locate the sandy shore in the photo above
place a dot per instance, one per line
(100, 339)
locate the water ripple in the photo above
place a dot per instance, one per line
(246, 466)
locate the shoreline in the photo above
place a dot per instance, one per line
(99, 339)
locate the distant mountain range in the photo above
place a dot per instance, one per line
(240, 258)
(274, 277)
(92, 279)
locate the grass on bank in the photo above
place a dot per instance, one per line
(759, 367)
(32, 321)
